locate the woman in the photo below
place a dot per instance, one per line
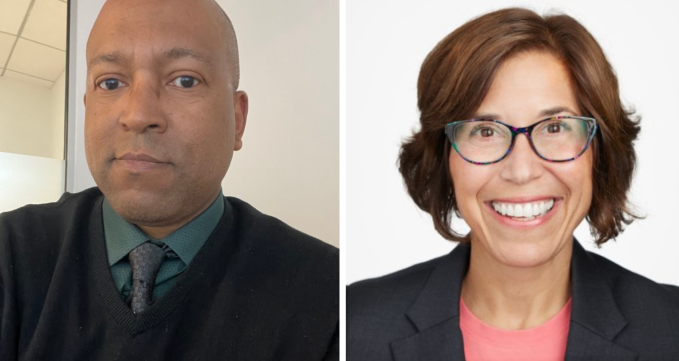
(523, 135)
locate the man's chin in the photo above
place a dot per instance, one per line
(143, 207)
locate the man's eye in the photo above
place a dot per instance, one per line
(110, 84)
(185, 82)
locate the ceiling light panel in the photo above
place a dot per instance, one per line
(28, 79)
(37, 60)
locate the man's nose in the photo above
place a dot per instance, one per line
(143, 109)
(522, 165)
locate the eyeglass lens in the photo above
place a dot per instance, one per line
(555, 139)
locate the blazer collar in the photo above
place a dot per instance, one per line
(595, 319)
(436, 313)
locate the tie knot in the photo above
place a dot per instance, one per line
(146, 260)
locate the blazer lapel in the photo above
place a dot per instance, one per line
(435, 314)
(442, 342)
(595, 318)
(585, 344)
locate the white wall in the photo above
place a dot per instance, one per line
(289, 165)
(32, 166)
(25, 179)
(386, 44)
(31, 122)
(57, 108)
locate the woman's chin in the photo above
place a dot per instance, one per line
(525, 254)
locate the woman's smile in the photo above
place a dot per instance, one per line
(525, 214)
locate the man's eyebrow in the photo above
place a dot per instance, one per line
(115, 58)
(180, 53)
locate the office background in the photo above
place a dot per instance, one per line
(289, 56)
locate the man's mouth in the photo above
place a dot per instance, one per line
(523, 211)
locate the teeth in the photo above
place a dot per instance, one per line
(525, 211)
(518, 211)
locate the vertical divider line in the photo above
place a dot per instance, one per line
(67, 97)
(71, 101)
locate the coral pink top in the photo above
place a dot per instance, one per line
(483, 342)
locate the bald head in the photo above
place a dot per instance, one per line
(118, 14)
(231, 45)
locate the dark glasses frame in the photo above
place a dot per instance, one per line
(527, 131)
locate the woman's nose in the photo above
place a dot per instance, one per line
(522, 165)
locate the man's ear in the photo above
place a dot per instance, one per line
(240, 109)
(85, 99)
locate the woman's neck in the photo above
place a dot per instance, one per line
(516, 298)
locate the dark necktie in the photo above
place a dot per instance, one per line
(145, 261)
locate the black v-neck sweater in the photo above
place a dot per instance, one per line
(257, 290)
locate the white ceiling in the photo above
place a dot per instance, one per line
(33, 40)
(6, 44)
(12, 13)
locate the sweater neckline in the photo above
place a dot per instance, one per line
(556, 326)
(195, 274)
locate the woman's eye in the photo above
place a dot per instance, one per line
(554, 128)
(110, 84)
(185, 82)
(487, 132)
(484, 132)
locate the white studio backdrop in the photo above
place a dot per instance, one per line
(289, 58)
(386, 44)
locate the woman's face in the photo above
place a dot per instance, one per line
(528, 87)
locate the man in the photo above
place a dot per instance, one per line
(155, 264)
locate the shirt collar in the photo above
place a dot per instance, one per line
(122, 236)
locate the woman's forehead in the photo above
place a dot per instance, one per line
(529, 85)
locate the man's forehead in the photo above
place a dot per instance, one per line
(164, 29)
(125, 57)
(163, 32)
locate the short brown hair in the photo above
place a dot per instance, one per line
(455, 78)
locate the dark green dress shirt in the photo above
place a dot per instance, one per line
(122, 237)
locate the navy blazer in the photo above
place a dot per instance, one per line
(413, 314)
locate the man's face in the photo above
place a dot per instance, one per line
(162, 116)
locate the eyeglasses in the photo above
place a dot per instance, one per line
(488, 141)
